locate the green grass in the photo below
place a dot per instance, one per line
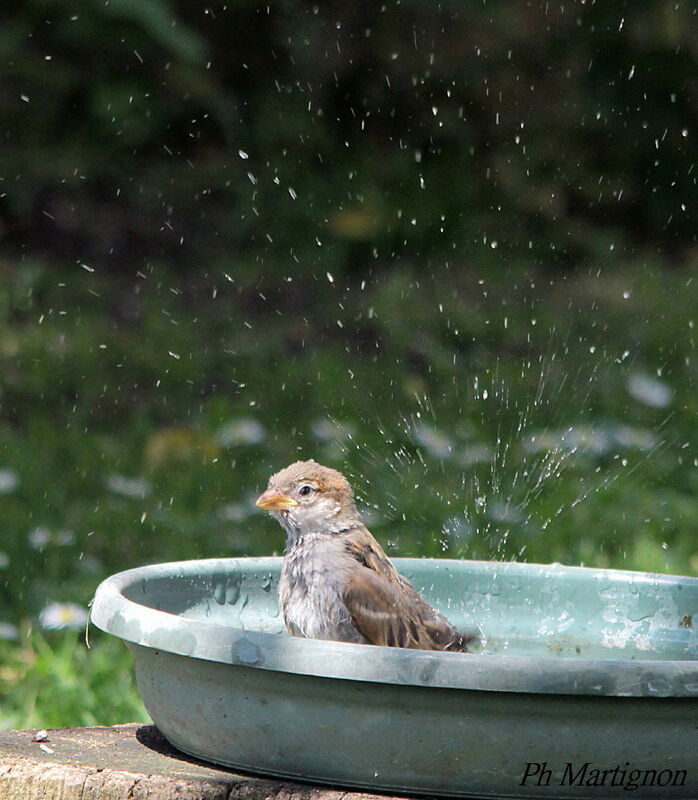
(140, 415)
(55, 681)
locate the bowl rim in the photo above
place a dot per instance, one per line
(142, 625)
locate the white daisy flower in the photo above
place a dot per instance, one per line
(56, 616)
(128, 487)
(243, 431)
(650, 391)
(9, 481)
(8, 631)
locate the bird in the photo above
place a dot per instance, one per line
(336, 581)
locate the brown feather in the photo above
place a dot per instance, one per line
(384, 605)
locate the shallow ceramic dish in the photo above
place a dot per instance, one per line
(578, 666)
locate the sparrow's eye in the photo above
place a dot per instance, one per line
(304, 490)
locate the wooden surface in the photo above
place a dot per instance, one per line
(130, 762)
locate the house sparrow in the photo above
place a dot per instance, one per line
(336, 582)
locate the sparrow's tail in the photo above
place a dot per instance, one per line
(465, 641)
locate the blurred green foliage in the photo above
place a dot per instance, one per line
(480, 418)
(135, 413)
(136, 129)
(56, 682)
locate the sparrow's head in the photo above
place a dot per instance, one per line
(306, 497)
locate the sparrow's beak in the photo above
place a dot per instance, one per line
(274, 500)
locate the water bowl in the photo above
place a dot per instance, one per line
(585, 686)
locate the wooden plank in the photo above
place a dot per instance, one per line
(130, 762)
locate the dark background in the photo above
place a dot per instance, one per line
(411, 129)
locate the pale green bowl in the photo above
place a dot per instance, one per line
(577, 666)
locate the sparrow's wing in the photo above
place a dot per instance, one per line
(378, 610)
(385, 607)
(366, 550)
